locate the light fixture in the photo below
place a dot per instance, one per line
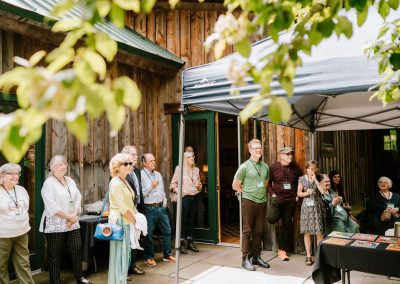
(205, 168)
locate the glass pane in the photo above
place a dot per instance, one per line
(196, 136)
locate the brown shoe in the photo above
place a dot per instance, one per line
(282, 255)
(309, 261)
(169, 259)
(150, 262)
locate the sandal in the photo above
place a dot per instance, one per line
(309, 261)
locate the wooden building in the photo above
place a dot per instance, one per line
(180, 35)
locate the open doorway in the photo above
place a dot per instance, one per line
(228, 157)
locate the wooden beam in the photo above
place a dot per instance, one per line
(193, 6)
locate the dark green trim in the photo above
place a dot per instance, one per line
(210, 234)
(171, 60)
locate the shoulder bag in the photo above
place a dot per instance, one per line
(107, 231)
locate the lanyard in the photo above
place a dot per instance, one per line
(16, 199)
(149, 176)
(258, 172)
(384, 196)
(286, 172)
(69, 191)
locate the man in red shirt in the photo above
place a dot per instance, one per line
(282, 189)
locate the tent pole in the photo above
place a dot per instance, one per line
(179, 197)
(239, 195)
(312, 145)
(255, 128)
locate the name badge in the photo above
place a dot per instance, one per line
(71, 204)
(390, 205)
(260, 183)
(18, 214)
(287, 186)
(339, 208)
(310, 203)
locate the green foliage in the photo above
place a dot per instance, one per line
(309, 22)
(70, 83)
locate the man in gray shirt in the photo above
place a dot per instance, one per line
(156, 213)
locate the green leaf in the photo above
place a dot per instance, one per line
(219, 48)
(280, 110)
(84, 72)
(326, 27)
(79, 128)
(59, 58)
(384, 8)
(361, 17)
(106, 46)
(130, 91)
(173, 3)
(62, 8)
(346, 27)
(133, 5)
(103, 7)
(147, 5)
(394, 4)
(117, 16)
(36, 57)
(244, 47)
(96, 62)
(395, 61)
(116, 116)
(72, 38)
(66, 25)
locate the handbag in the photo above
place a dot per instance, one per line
(108, 231)
(386, 216)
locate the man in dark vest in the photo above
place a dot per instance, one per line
(135, 181)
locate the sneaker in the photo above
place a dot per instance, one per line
(282, 255)
(150, 262)
(169, 259)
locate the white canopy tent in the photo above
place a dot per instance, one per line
(331, 89)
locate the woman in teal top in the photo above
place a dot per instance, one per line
(339, 220)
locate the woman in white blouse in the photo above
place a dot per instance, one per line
(14, 225)
(191, 186)
(62, 205)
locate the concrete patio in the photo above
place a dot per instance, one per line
(221, 264)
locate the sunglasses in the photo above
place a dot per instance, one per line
(127, 164)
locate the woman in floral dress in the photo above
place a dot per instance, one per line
(312, 216)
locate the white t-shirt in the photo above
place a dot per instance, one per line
(56, 197)
(14, 221)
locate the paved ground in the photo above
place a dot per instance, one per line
(220, 264)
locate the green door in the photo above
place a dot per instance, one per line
(32, 177)
(200, 134)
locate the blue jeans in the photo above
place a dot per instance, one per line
(189, 203)
(157, 216)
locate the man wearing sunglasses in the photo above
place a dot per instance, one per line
(282, 189)
(135, 182)
(156, 210)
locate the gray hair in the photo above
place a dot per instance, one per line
(9, 168)
(116, 161)
(55, 160)
(389, 181)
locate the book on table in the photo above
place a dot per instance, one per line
(364, 237)
(342, 235)
(364, 244)
(388, 240)
(337, 241)
(393, 247)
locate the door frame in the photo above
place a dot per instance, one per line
(209, 235)
(36, 258)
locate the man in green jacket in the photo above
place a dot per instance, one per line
(251, 180)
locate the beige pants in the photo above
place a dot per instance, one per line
(17, 249)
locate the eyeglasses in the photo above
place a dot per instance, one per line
(13, 174)
(134, 155)
(289, 154)
(190, 157)
(258, 148)
(127, 164)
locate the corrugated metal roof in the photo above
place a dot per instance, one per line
(127, 39)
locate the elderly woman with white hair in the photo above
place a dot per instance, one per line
(14, 225)
(384, 207)
(122, 212)
(62, 205)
